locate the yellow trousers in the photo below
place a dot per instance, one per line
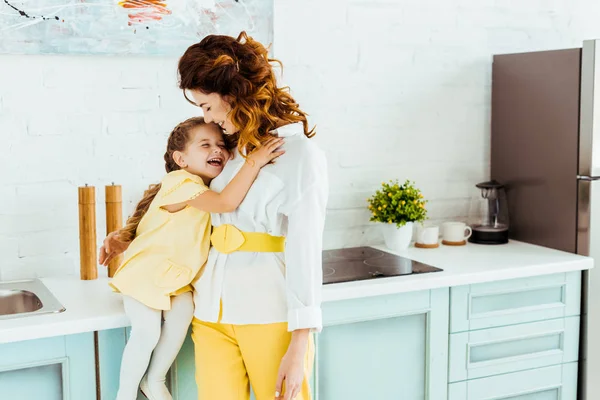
(231, 358)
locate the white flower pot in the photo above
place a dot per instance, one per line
(397, 239)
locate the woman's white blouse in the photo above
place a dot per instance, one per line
(287, 199)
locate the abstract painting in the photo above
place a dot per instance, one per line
(128, 27)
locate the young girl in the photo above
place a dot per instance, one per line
(169, 247)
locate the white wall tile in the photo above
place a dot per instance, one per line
(398, 89)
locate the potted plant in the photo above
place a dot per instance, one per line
(397, 207)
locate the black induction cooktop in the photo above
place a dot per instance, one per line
(360, 263)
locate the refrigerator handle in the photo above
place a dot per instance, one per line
(588, 178)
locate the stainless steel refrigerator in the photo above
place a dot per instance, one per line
(545, 148)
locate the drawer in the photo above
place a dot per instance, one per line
(378, 307)
(514, 301)
(558, 382)
(513, 348)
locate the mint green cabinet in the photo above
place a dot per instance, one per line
(111, 344)
(384, 347)
(57, 368)
(504, 340)
(515, 301)
(513, 348)
(515, 339)
(183, 383)
(370, 348)
(558, 382)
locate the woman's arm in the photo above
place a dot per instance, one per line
(112, 246)
(304, 280)
(291, 369)
(303, 258)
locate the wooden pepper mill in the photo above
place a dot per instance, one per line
(87, 233)
(114, 219)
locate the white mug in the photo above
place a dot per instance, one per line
(428, 234)
(455, 231)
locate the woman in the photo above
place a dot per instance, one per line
(258, 297)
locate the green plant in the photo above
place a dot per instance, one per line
(398, 204)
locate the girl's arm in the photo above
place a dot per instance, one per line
(226, 201)
(233, 194)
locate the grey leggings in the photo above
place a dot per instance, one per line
(153, 345)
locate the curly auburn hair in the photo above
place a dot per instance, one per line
(241, 69)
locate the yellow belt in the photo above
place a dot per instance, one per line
(227, 239)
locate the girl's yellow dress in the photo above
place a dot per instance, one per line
(169, 248)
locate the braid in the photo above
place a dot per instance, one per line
(128, 232)
(170, 164)
(177, 141)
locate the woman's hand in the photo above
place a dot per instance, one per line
(111, 248)
(267, 153)
(291, 369)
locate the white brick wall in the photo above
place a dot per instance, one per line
(398, 89)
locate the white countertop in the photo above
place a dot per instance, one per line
(464, 265)
(92, 306)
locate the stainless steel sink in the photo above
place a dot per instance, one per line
(27, 298)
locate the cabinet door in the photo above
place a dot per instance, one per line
(385, 347)
(62, 368)
(183, 382)
(515, 301)
(495, 351)
(49, 381)
(558, 382)
(381, 347)
(111, 344)
(110, 351)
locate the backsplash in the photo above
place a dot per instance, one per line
(396, 91)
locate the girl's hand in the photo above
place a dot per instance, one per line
(111, 248)
(291, 369)
(267, 153)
